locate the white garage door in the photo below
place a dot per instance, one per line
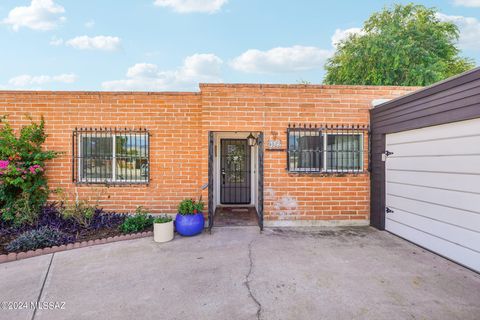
(433, 189)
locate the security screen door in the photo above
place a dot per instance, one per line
(235, 172)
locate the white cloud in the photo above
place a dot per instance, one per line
(103, 43)
(469, 30)
(188, 6)
(143, 70)
(342, 34)
(467, 3)
(54, 41)
(281, 60)
(26, 80)
(90, 24)
(146, 76)
(40, 15)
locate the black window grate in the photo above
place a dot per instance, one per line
(327, 148)
(110, 156)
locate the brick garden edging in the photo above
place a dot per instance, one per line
(33, 253)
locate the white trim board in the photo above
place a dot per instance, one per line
(216, 166)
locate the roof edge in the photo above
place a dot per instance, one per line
(299, 86)
(146, 93)
(446, 84)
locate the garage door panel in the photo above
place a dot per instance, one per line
(469, 164)
(460, 182)
(458, 200)
(447, 249)
(466, 220)
(433, 187)
(446, 146)
(461, 236)
(469, 127)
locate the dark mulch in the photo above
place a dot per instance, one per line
(104, 225)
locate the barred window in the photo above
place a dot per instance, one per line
(110, 156)
(325, 149)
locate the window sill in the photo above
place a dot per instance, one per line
(113, 183)
(327, 174)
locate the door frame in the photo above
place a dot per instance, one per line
(218, 136)
(256, 156)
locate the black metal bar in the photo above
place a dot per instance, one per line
(354, 144)
(211, 209)
(148, 157)
(260, 180)
(73, 156)
(89, 154)
(288, 148)
(93, 160)
(341, 146)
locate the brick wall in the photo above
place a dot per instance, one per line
(173, 120)
(269, 109)
(179, 124)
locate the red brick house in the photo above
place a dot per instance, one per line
(306, 162)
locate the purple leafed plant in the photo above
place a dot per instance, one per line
(39, 238)
(50, 217)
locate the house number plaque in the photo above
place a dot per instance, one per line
(274, 145)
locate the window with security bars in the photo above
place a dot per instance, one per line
(110, 156)
(325, 149)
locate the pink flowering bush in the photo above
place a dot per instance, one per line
(23, 185)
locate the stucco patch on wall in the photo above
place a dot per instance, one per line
(285, 207)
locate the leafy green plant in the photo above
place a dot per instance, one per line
(186, 207)
(138, 222)
(190, 206)
(40, 238)
(162, 219)
(23, 185)
(82, 211)
(198, 206)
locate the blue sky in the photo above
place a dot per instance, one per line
(170, 45)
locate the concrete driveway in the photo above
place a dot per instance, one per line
(238, 273)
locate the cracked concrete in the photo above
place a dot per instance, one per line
(238, 273)
(247, 281)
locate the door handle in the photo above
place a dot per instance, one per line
(223, 176)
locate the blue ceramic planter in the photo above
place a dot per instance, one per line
(189, 225)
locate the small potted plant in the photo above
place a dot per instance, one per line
(162, 229)
(189, 220)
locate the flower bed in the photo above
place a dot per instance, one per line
(28, 225)
(53, 229)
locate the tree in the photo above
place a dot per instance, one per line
(406, 45)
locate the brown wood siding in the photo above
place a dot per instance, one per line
(455, 99)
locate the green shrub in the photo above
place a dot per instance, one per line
(162, 219)
(186, 207)
(190, 206)
(81, 211)
(23, 185)
(40, 238)
(138, 222)
(198, 206)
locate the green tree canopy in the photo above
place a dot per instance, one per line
(405, 45)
